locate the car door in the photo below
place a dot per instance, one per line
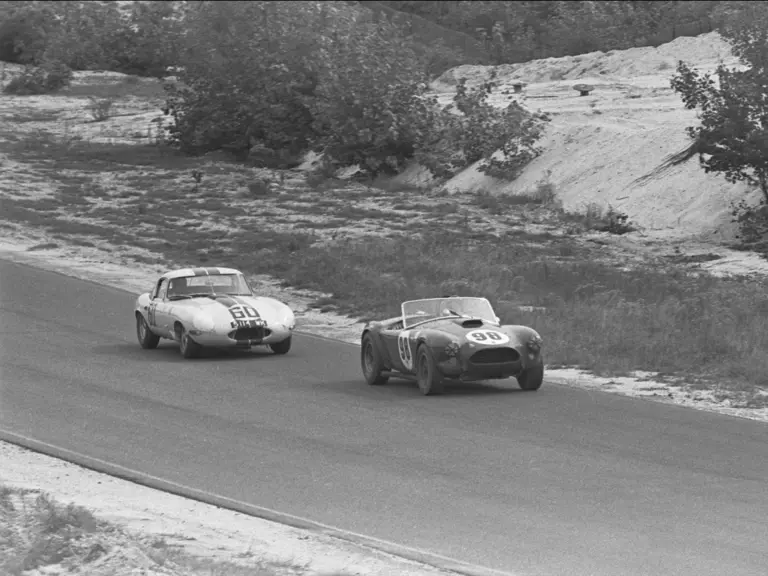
(157, 315)
(399, 346)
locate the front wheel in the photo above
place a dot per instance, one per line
(281, 347)
(532, 378)
(188, 347)
(371, 362)
(147, 339)
(430, 381)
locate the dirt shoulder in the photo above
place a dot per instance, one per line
(59, 518)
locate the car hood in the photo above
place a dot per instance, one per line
(271, 310)
(460, 327)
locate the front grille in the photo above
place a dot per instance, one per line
(495, 356)
(251, 333)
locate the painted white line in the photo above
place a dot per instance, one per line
(101, 466)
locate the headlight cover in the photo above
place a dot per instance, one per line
(535, 343)
(204, 323)
(290, 320)
(452, 350)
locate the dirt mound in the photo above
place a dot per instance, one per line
(706, 50)
(598, 148)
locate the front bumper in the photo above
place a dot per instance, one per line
(487, 363)
(243, 337)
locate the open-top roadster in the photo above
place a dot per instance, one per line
(215, 307)
(457, 338)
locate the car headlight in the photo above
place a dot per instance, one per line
(534, 344)
(204, 323)
(452, 350)
(290, 320)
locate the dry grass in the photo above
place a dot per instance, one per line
(41, 535)
(371, 248)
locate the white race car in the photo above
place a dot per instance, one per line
(214, 307)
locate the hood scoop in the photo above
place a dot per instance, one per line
(473, 323)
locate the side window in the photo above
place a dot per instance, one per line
(161, 289)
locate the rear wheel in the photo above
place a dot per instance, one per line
(371, 362)
(281, 347)
(147, 339)
(188, 347)
(430, 381)
(532, 378)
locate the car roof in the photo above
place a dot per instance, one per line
(209, 271)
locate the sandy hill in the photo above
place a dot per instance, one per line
(598, 145)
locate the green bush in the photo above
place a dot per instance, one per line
(44, 79)
(471, 130)
(91, 35)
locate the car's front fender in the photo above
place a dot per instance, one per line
(142, 303)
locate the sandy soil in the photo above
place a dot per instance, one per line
(597, 146)
(145, 516)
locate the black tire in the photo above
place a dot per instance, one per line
(147, 339)
(532, 378)
(281, 347)
(428, 378)
(371, 362)
(188, 347)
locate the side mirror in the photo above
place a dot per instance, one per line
(498, 320)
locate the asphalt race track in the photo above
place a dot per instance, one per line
(559, 482)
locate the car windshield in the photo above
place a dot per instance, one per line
(417, 311)
(193, 286)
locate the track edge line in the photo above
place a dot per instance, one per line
(204, 497)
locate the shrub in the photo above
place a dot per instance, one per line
(24, 31)
(100, 108)
(289, 76)
(471, 130)
(45, 79)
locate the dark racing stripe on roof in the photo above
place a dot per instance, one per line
(200, 271)
(213, 271)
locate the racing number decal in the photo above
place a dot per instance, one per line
(243, 312)
(489, 337)
(404, 347)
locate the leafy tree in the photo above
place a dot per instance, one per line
(367, 108)
(732, 137)
(247, 70)
(25, 30)
(148, 41)
(81, 35)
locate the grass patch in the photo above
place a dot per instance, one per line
(597, 316)
(44, 246)
(41, 535)
(130, 87)
(87, 156)
(26, 116)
